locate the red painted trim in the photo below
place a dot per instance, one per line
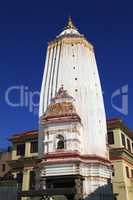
(61, 118)
(121, 158)
(61, 115)
(76, 161)
(65, 155)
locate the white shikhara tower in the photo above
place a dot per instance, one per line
(70, 61)
(71, 65)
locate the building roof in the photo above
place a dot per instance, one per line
(24, 135)
(115, 123)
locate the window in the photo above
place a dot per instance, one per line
(9, 149)
(47, 135)
(32, 180)
(123, 139)
(113, 172)
(73, 67)
(34, 147)
(20, 179)
(75, 79)
(76, 90)
(60, 143)
(20, 149)
(127, 172)
(47, 147)
(110, 137)
(132, 173)
(3, 167)
(128, 145)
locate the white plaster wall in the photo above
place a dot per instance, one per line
(72, 133)
(95, 175)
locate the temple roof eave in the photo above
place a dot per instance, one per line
(60, 119)
(70, 39)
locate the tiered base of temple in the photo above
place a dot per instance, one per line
(83, 175)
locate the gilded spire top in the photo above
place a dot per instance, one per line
(70, 24)
(70, 29)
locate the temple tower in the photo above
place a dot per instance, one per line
(72, 138)
(70, 61)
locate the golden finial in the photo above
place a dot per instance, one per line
(70, 24)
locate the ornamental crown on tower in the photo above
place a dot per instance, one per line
(61, 106)
(62, 94)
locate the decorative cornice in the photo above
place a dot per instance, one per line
(74, 155)
(122, 153)
(23, 162)
(70, 40)
(60, 119)
(122, 159)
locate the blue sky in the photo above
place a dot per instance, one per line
(27, 26)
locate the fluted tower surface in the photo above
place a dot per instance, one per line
(70, 61)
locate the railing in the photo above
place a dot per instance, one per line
(8, 193)
(49, 192)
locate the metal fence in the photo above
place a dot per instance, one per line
(8, 191)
